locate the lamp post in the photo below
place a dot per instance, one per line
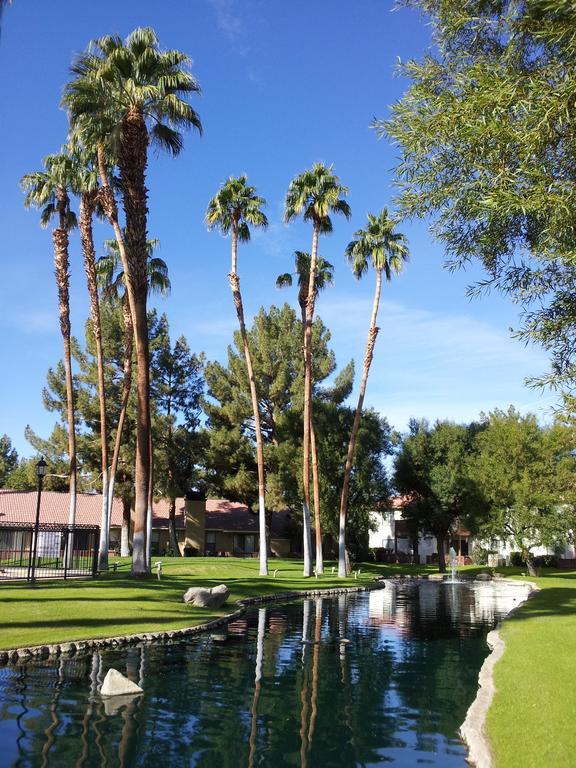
(41, 470)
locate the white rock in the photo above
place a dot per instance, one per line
(207, 598)
(115, 684)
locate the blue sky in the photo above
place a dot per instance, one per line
(283, 85)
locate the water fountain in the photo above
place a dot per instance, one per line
(453, 562)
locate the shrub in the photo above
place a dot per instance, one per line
(480, 555)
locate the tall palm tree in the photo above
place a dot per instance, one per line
(86, 186)
(324, 278)
(387, 250)
(50, 190)
(234, 207)
(132, 93)
(111, 278)
(314, 194)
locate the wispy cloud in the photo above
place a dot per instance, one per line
(32, 322)
(228, 19)
(437, 365)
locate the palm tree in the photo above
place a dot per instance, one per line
(315, 194)
(126, 94)
(49, 190)
(388, 251)
(236, 206)
(111, 278)
(324, 278)
(86, 186)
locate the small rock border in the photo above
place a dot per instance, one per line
(69, 649)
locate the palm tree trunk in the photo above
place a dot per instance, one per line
(372, 334)
(150, 507)
(126, 387)
(310, 299)
(235, 285)
(89, 253)
(316, 497)
(61, 266)
(132, 164)
(315, 475)
(132, 160)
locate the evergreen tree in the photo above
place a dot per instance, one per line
(8, 459)
(176, 387)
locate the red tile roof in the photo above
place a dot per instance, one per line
(20, 507)
(221, 515)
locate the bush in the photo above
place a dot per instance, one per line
(517, 559)
(480, 555)
(546, 561)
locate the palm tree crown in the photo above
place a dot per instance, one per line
(378, 242)
(115, 78)
(234, 207)
(111, 274)
(324, 275)
(48, 189)
(316, 194)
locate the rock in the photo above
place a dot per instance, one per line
(483, 576)
(207, 598)
(115, 684)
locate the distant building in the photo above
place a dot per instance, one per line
(203, 526)
(391, 540)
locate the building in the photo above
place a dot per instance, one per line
(203, 526)
(392, 541)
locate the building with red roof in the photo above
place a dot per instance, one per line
(203, 526)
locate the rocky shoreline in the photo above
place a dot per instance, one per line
(70, 649)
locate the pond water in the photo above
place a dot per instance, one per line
(383, 677)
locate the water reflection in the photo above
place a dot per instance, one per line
(285, 689)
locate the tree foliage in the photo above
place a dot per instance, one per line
(276, 337)
(526, 475)
(486, 138)
(432, 471)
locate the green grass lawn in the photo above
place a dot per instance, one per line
(530, 723)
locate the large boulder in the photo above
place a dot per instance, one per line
(115, 684)
(207, 598)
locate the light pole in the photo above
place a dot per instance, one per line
(41, 470)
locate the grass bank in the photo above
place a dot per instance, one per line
(112, 605)
(531, 720)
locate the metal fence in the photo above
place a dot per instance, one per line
(61, 551)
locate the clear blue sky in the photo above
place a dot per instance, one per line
(284, 84)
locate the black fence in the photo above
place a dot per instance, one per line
(61, 551)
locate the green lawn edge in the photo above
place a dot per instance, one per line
(530, 722)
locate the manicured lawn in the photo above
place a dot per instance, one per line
(531, 721)
(57, 611)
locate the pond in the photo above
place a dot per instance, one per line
(364, 679)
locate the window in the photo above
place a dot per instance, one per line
(210, 541)
(245, 543)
